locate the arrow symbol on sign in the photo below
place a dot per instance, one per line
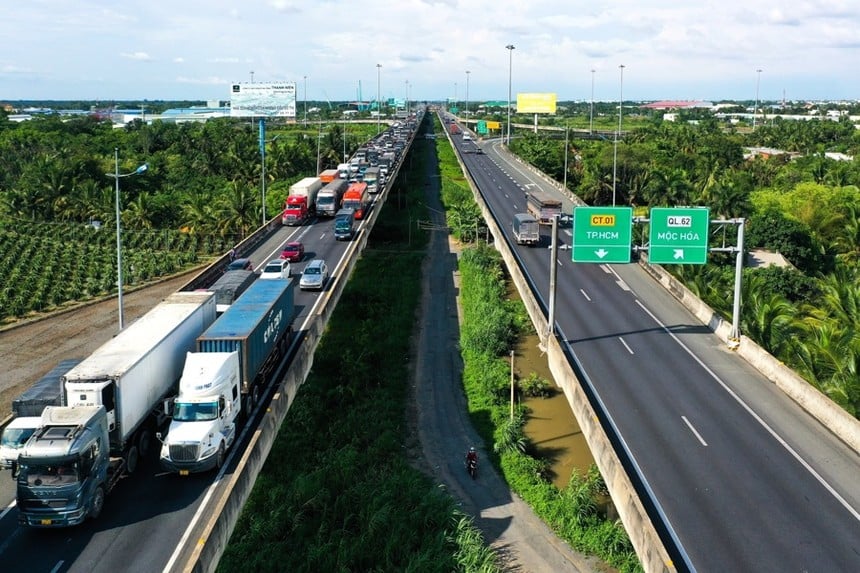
(679, 254)
(601, 253)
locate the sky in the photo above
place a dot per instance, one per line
(432, 50)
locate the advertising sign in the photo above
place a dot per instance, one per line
(277, 99)
(536, 103)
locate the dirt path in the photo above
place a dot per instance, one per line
(443, 428)
(31, 349)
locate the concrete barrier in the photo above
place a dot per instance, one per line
(642, 532)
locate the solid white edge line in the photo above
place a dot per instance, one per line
(58, 566)
(7, 510)
(757, 418)
(695, 432)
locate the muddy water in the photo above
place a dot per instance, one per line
(551, 426)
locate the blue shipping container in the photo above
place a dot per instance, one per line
(253, 325)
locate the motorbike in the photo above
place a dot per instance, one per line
(472, 467)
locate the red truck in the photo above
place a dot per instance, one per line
(301, 201)
(356, 198)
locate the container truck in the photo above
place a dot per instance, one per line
(356, 198)
(543, 206)
(330, 197)
(344, 224)
(113, 407)
(526, 229)
(27, 411)
(328, 175)
(301, 201)
(343, 170)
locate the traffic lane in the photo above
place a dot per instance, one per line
(838, 464)
(685, 399)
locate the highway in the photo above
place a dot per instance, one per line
(151, 521)
(744, 478)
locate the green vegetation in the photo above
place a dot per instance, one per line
(337, 493)
(804, 206)
(200, 195)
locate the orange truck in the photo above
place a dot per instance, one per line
(357, 198)
(329, 175)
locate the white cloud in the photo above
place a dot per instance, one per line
(671, 49)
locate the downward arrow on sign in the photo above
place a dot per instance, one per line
(601, 253)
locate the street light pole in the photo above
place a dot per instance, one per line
(263, 142)
(467, 91)
(252, 76)
(755, 109)
(510, 48)
(378, 95)
(617, 133)
(116, 176)
(591, 111)
(306, 100)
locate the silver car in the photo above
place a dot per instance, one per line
(314, 276)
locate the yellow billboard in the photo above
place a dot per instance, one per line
(536, 103)
(494, 125)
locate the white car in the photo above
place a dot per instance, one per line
(314, 276)
(277, 269)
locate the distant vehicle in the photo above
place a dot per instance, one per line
(241, 265)
(344, 223)
(330, 197)
(293, 251)
(466, 137)
(543, 206)
(276, 269)
(479, 150)
(314, 276)
(357, 198)
(230, 286)
(526, 229)
(371, 177)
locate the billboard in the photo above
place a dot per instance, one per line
(536, 103)
(275, 99)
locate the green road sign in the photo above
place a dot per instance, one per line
(481, 127)
(602, 234)
(679, 236)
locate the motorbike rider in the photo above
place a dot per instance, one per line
(472, 457)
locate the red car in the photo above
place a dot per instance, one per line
(293, 252)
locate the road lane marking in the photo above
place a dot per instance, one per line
(57, 567)
(7, 510)
(854, 513)
(623, 285)
(695, 432)
(630, 350)
(588, 298)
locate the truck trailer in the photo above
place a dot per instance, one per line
(113, 408)
(543, 206)
(256, 330)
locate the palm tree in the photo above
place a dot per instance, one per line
(238, 210)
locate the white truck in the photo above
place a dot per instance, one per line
(113, 408)
(205, 413)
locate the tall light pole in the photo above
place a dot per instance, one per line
(510, 48)
(306, 100)
(617, 134)
(755, 109)
(467, 91)
(252, 76)
(407, 98)
(591, 111)
(378, 95)
(117, 176)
